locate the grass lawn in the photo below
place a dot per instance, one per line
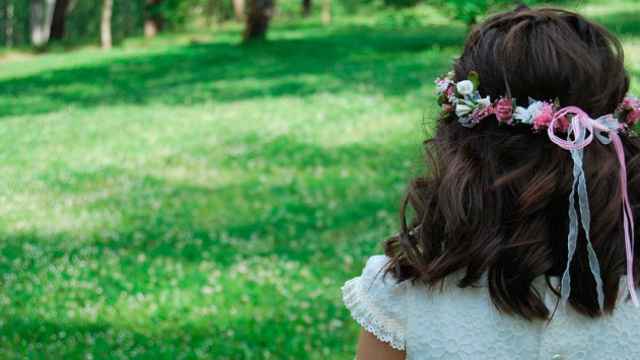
(192, 198)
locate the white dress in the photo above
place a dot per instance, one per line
(464, 324)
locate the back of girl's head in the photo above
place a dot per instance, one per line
(494, 198)
(547, 54)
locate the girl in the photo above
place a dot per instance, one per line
(521, 245)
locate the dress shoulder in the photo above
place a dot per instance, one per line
(377, 301)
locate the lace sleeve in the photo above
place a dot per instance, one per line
(377, 302)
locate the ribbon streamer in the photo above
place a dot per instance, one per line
(583, 129)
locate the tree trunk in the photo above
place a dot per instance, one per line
(209, 12)
(326, 11)
(105, 24)
(306, 8)
(8, 24)
(260, 13)
(58, 20)
(41, 14)
(238, 9)
(153, 22)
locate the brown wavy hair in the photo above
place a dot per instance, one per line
(495, 198)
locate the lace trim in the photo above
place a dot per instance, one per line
(370, 317)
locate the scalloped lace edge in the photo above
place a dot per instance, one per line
(363, 312)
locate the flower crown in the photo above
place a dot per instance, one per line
(463, 99)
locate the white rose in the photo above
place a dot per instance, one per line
(464, 87)
(523, 115)
(462, 109)
(485, 102)
(526, 115)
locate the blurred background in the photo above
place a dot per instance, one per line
(195, 179)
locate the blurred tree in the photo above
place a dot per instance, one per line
(105, 24)
(41, 14)
(326, 11)
(471, 11)
(238, 9)
(154, 20)
(209, 12)
(31, 22)
(59, 18)
(258, 17)
(306, 8)
(128, 18)
(8, 17)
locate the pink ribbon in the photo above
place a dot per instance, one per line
(581, 124)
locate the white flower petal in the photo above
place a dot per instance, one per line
(484, 102)
(464, 87)
(443, 85)
(462, 109)
(523, 115)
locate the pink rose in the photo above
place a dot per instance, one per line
(504, 110)
(481, 113)
(630, 104)
(543, 118)
(451, 91)
(633, 117)
(542, 121)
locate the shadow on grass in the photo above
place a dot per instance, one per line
(206, 338)
(219, 72)
(103, 340)
(161, 217)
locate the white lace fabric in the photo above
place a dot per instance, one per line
(374, 301)
(464, 324)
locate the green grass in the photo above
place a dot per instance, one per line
(195, 198)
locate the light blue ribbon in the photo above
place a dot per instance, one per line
(580, 183)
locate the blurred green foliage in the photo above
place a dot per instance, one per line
(401, 3)
(83, 16)
(20, 34)
(470, 12)
(83, 21)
